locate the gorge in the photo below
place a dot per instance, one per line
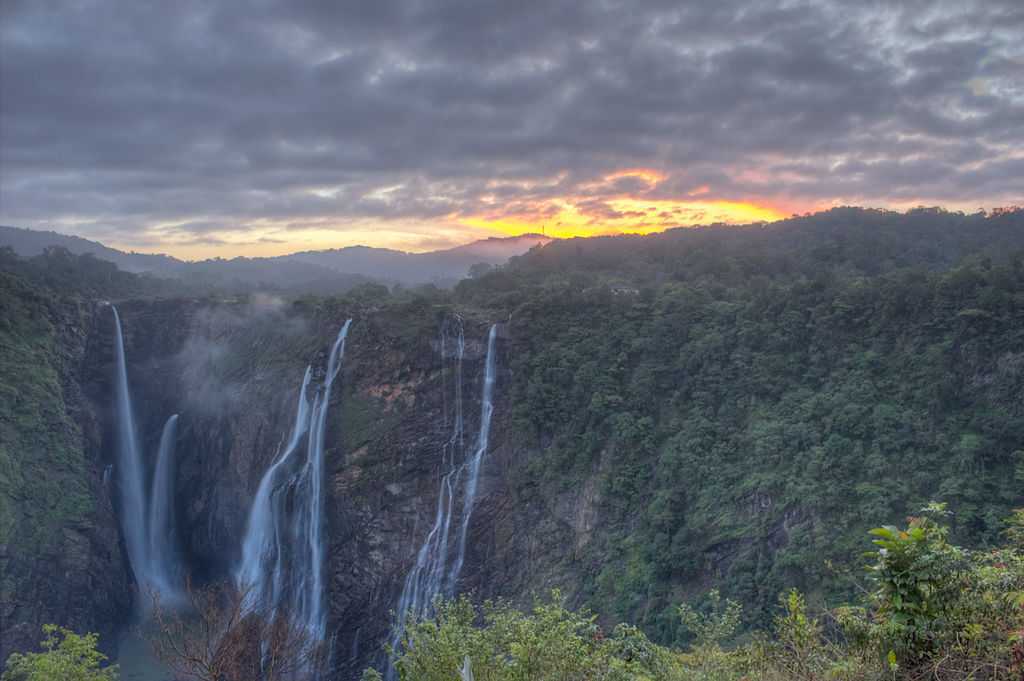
(648, 418)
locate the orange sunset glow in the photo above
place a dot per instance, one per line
(604, 208)
(625, 216)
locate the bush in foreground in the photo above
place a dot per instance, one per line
(933, 611)
(66, 656)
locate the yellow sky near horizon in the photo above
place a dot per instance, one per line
(629, 201)
(617, 203)
(626, 216)
(563, 220)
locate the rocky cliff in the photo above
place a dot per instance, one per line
(60, 555)
(232, 371)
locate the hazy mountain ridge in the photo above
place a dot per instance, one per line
(444, 266)
(29, 242)
(316, 271)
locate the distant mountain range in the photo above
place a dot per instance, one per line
(307, 270)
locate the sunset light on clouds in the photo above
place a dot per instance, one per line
(261, 131)
(618, 203)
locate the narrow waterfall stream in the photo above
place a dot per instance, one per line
(482, 442)
(147, 522)
(435, 572)
(162, 558)
(282, 563)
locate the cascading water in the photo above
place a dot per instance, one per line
(162, 558)
(486, 411)
(129, 466)
(283, 549)
(433, 575)
(147, 522)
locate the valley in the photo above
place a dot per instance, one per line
(727, 408)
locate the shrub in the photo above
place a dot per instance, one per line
(66, 656)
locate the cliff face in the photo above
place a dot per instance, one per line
(232, 372)
(60, 555)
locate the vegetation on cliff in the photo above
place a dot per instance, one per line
(65, 656)
(43, 482)
(745, 404)
(932, 610)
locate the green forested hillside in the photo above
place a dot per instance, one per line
(752, 402)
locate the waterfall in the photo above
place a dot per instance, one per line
(433, 575)
(162, 560)
(283, 549)
(146, 522)
(486, 411)
(129, 467)
(262, 536)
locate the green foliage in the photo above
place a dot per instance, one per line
(941, 607)
(43, 481)
(712, 629)
(914, 625)
(1014, 531)
(770, 392)
(66, 656)
(715, 627)
(919, 576)
(549, 643)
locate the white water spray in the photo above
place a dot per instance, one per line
(146, 522)
(435, 573)
(162, 558)
(482, 442)
(283, 549)
(129, 466)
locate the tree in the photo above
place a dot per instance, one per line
(919, 576)
(66, 656)
(498, 643)
(219, 638)
(480, 269)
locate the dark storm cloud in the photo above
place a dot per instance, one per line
(206, 117)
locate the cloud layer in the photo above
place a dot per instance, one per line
(258, 126)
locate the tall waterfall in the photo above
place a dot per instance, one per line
(283, 548)
(486, 411)
(129, 467)
(162, 558)
(147, 522)
(435, 573)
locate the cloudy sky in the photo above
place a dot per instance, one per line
(262, 127)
